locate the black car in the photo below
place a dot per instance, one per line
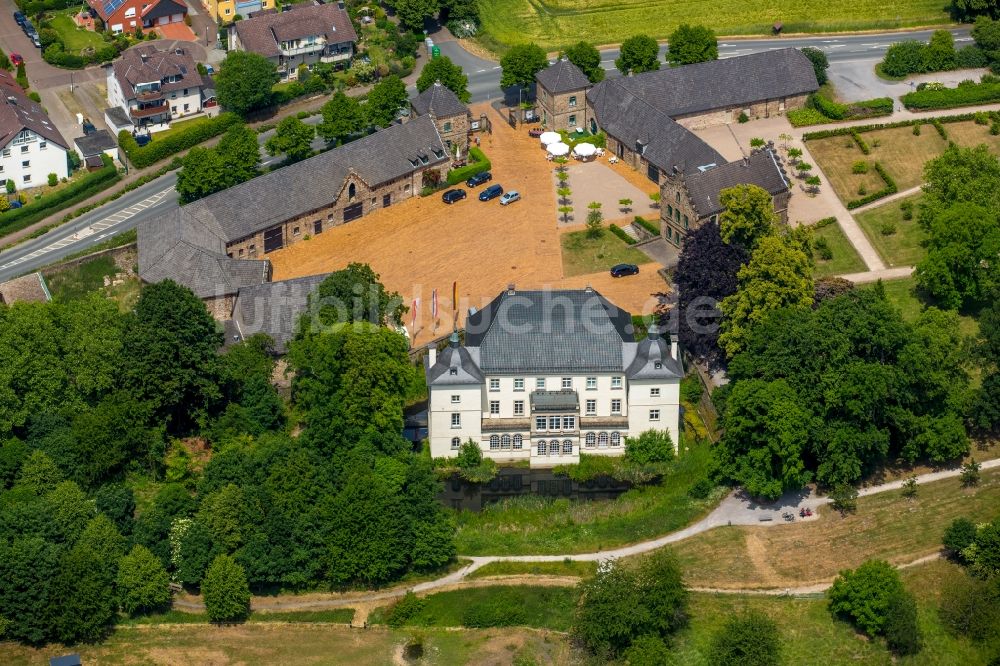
(479, 179)
(27, 27)
(621, 270)
(451, 196)
(491, 192)
(20, 18)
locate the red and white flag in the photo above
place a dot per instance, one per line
(413, 311)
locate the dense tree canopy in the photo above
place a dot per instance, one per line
(343, 117)
(208, 170)
(520, 64)
(748, 216)
(864, 595)
(243, 83)
(819, 62)
(639, 53)
(385, 99)
(292, 138)
(689, 44)
(446, 72)
(750, 639)
(586, 56)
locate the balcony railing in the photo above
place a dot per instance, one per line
(299, 50)
(148, 111)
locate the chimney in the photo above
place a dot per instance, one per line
(510, 289)
(453, 339)
(144, 57)
(673, 348)
(746, 160)
(432, 354)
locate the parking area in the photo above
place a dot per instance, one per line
(422, 244)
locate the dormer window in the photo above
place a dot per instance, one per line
(452, 371)
(657, 365)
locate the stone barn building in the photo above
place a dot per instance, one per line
(451, 117)
(562, 95)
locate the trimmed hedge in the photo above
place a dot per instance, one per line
(890, 188)
(191, 135)
(940, 128)
(460, 174)
(19, 218)
(618, 231)
(966, 94)
(825, 222)
(647, 225)
(841, 131)
(822, 110)
(862, 144)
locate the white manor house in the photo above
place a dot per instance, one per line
(546, 375)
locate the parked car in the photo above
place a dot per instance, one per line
(491, 192)
(88, 127)
(479, 179)
(451, 196)
(510, 197)
(535, 132)
(27, 27)
(20, 18)
(621, 270)
(142, 139)
(35, 40)
(209, 70)
(16, 59)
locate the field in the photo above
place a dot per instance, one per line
(564, 568)
(553, 24)
(886, 525)
(845, 257)
(898, 150)
(903, 294)
(543, 607)
(303, 644)
(898, 249)
(582, 254)
(535, 525)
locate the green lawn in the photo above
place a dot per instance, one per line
(564, 568)
(904, 295)
(74, 39)
(901, 248)
(88, 278)
(845, 258)
(534, 524)
(543, 607)
(553, 24)
(582, 254)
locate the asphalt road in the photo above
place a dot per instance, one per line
(484, 75)
(844, 51)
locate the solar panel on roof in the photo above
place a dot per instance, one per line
(112, 5)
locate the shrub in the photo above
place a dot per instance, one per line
(960, 535)
(970, 473)
(995, 128)
(651, 227)
(864, 594)
(906, 208)
(940, 128)
(35, 97)
(482, 163)
(859, 167)
(902, 633)
(11, 188)
(192, 135)
(701, 489)
(53, 180)
(750, 639)
(620, 233)
(22, 77)
(916, 130)
(828, 107)
(651, 446)
(497, 612)
(947, 98)
(887, 228)
(862, 144)
(743, 117)
(971, 607)
(806, 116)
(862, 190)
(844, 498)
(822, 247)
(404, 609)
(825, 222)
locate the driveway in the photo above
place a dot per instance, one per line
(856, 80)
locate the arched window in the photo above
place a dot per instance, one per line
(616, 439)
(567, 447)
(455, 442)
(602, 440)
(541, 448)
(352, 191)
(494, 442)
(554, 448)
(591, 440)
(505, 442)
(518, 441)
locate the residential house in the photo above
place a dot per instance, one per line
(300, 35)
(92, 146)
(226, 11)
(545, 375)
(562, 94)
(451, 117)
(217, 245)
(31, 147)
(128, 15)
(151, 87)
(689, 200)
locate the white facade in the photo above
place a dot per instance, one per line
(150, 104)
(549, 419)
(29, 158)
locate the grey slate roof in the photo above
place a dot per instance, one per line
(273, 308)
(263, 32)
(549, 331)
(632, 120)
(95, 143)
(145, 63)
(172, 247)
(315, 183)
(561, 77)
(724, 83)
(654, 349)
(762, 168)
(439, 101)
(455, 366)
(18, 112)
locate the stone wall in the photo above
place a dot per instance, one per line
(310, 224)
(220, 307)
(557, 109)
(762, 109)
(454, 131)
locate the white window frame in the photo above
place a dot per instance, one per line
(456, 443)
(654, 392)
(591, 406)
(616, 439)
(494, 384)
(569, 423)
(540, 383)
(519, 383)
(591, 383)
(541, 423)
(616, 406)
(455, 397)
(519, 408)
(567, 383)
(555, 422)
(616, 382)
(518, 442)
(591, 440)
(456, 420)
(654, 415)
(494, 408)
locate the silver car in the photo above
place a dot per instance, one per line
(510, 197)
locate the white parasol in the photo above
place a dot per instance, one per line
(557, 149)
(585, 149)
(549, 137)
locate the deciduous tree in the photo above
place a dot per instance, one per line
(689, 44)
(343, 117)
(748, 215)
(143, 584)
(385, 100)
(446, 72)
(520, 64)
(292, 138)
(225, 591)
(412, 13)
(864, 595)
(819, 62)
(749, 639)
(586, 56)
(639, 53)
(244, 82)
